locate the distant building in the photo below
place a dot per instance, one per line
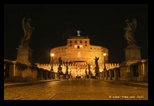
(78, 49)
(79, 53)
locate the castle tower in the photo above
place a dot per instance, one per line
(79, 51)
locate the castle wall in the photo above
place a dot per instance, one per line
(79, 49)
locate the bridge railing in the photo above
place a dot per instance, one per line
(15, 71)
(137, 71)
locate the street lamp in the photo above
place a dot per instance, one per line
(51, 62)
(104, 61)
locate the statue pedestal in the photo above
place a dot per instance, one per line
(24, 55)
(97, 71)
(132, 53)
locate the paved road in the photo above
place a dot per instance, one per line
(76, 89)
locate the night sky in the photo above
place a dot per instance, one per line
(54, 23)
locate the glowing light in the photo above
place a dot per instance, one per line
(104, 54)
(52, 54)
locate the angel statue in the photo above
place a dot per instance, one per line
(130, 29)
(27, 31)
(78, 32)
(96, 61)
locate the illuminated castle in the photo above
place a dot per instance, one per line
(79, 53)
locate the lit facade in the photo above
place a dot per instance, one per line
(79, 49)
(79, 53)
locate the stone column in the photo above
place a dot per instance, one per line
(41, 74)
(13, 71)
(46, 74)
(145, 71)
(125, 73)
(53, 75)
(56, 76)
(115, 74)
(102, 74)
(50, 75)
(61, 76)
(110, 75)
(66, 76)
(106, 75)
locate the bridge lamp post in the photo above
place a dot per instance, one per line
(104, 61)
(104, 66)
(51, 62)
